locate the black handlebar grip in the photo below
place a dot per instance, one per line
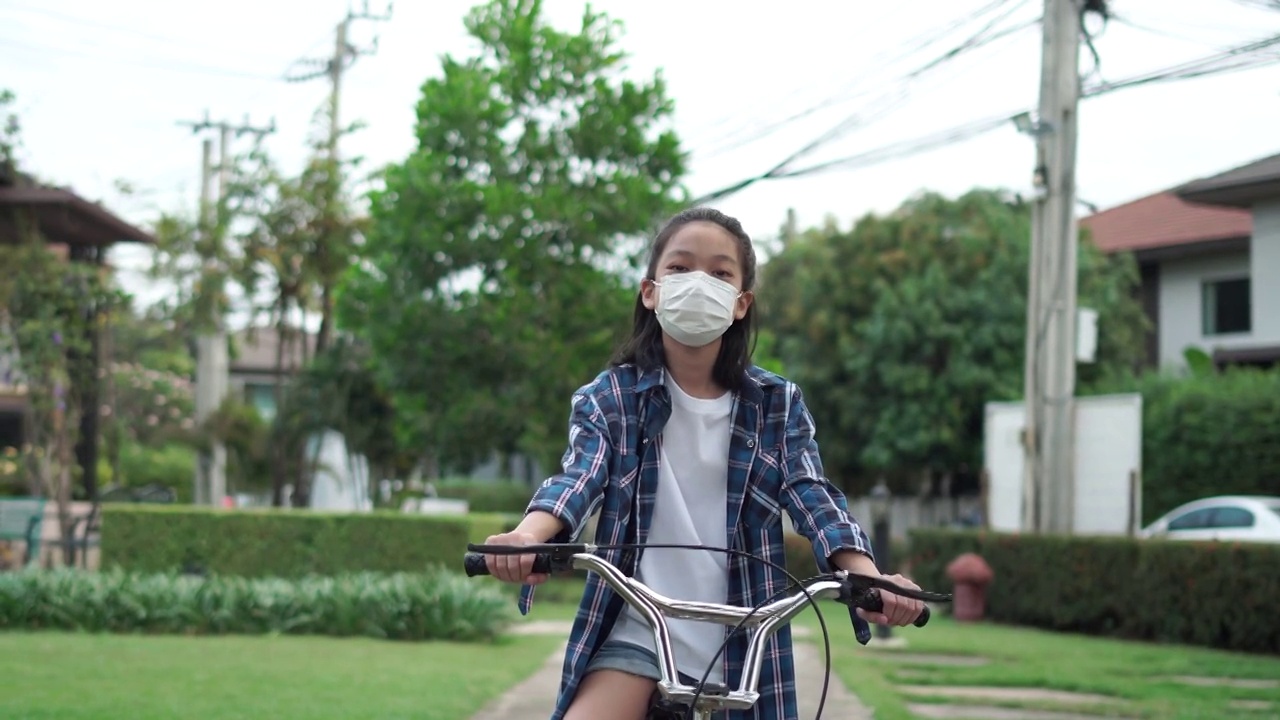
(474, 564)
(874, 603)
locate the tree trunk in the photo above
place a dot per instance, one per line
(278, 469)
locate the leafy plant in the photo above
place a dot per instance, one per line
(434, 605)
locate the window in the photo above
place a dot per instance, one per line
(1226, 307)
(1232, 517)
(1194, 520)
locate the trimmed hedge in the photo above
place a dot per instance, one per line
(1218, 595)
(800, 560)
(488, 497)
(1212, 435)
(434, 606)
(286, 543)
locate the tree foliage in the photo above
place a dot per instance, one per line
(902, 328)
(491, 287)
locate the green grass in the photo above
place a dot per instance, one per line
(67, 676)
(1133, 673)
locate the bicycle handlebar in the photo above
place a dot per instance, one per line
(850, 589)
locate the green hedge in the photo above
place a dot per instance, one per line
(433, 606)
(286, 543)
(1212, 435)
(800, 560)
(488, 497)
(1212, 594)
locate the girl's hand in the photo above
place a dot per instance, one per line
(898, 610)
(514, 568)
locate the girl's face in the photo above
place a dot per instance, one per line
(701, 246)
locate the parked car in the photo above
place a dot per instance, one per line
(1227, 517)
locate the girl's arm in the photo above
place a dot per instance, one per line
(817, 507)
(563, 503)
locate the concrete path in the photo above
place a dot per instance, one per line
(534, 698)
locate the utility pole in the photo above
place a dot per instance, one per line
(344, 56)
(1050, 371)
(332, 68)
(211, 343)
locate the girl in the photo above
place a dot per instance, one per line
(683, 440)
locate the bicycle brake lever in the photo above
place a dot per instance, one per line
(856, 584)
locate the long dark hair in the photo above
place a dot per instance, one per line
(644, 347)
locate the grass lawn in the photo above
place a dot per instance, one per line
(67, 676)
(1137, 675)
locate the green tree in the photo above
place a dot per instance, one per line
(50, 309)
(491, 287)
(904, 327)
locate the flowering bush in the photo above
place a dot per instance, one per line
(150, 407)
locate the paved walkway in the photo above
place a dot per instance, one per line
(534, 698)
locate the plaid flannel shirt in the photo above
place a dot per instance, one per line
(611, 465)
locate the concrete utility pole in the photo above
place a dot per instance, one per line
(211, 344)
(344, 56)
(1050, 372)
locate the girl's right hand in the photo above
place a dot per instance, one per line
(513, 568)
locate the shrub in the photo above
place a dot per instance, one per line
(433, 606)
(1212, 594)
(488, 497)
(285, 543)
(1210, 435)
(172, 465)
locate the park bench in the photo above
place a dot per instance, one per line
(20, 520)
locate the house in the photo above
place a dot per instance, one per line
(1209, 257)
(252, 373)
(77, 230)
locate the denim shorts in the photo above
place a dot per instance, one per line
(631, 659)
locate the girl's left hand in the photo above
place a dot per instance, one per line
(898, 610)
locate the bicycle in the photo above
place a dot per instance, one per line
(681, 701)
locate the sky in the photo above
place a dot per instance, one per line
(102, 87)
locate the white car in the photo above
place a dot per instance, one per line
(1229, 517)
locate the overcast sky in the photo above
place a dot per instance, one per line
(101, 87)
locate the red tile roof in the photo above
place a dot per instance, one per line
(1164, 220)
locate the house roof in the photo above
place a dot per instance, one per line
(63, 217)
(1240, 187)
(256, 351)
(1164, 220)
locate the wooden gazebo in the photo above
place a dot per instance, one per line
(80, 231)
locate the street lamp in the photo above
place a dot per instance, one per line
(881, 507)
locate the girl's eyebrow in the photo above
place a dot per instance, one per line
(722, 258)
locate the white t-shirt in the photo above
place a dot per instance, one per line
(690, 508)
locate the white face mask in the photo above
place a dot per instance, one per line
(695, 308)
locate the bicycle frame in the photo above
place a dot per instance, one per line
(761, 623)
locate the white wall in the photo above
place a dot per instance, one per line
(1266, 271)
(1181, 323)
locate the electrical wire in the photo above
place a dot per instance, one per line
(166, 66)
(920, 43)
(1243, 57)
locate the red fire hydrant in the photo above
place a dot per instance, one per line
(970, 575)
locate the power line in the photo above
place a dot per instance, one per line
(914, 46)
(1233, 59)
(887, 103)
(184, 42)
(166, 66)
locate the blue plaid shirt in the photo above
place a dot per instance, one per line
(611, 465)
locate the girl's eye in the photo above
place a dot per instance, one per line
(677, 268)
(723, 274)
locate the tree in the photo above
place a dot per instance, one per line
(491, 287)
(904, 327)
(50, 309)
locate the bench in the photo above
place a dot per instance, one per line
(20, 520)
